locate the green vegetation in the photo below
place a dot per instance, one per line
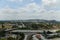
(3, 39)
(58, 31)
(10, 38)
(31, 24)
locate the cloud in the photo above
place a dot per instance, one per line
(51, 15)
(30, 11)
(7, 13)
(15, 0)
(26, 12)
(49, 2)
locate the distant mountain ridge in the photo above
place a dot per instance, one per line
(41, 20)
(32, 20)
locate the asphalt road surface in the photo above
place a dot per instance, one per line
(47, 39)
(55, 39)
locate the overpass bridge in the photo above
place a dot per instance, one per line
(27, 31)
(16, 30)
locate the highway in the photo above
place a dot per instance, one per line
(32, 30)
(28, 32)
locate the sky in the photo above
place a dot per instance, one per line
(29, 9)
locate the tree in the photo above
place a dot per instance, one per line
(10, 38)
(20, 36)
(34, 26)
(3, 26)
(2, 33)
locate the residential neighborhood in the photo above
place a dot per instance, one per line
(15, 30)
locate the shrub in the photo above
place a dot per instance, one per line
(10, 38)
(58, 31)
